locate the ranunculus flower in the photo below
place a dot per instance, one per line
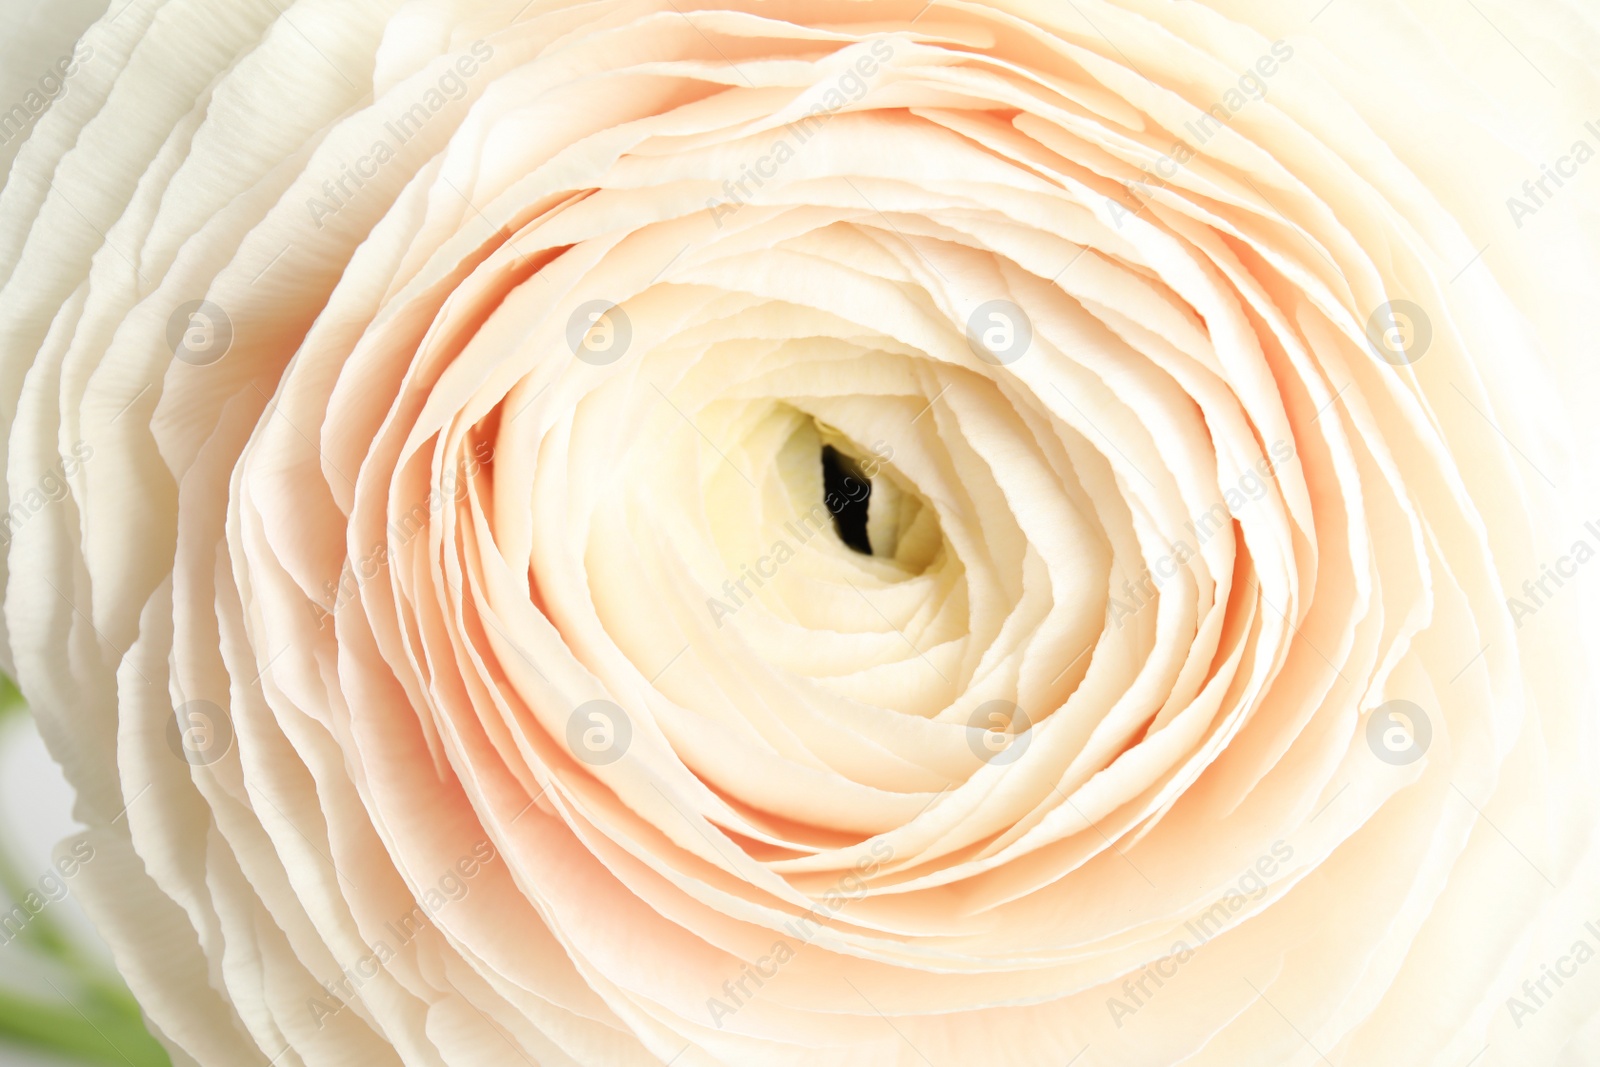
(822, 532)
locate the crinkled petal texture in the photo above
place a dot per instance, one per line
(823, 532)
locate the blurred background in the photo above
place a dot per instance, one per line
(61, 1002)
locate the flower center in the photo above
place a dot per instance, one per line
(847, 494)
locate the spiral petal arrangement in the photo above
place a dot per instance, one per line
(785, 533)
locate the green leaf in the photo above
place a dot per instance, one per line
(97, 1026)
(94, 1018)
(11, 702)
